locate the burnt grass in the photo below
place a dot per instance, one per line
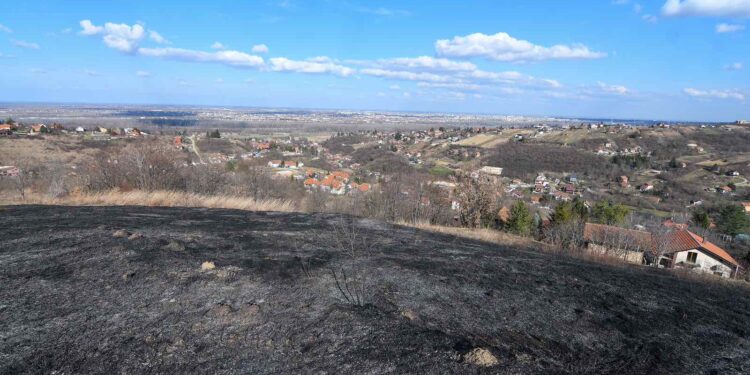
(76, 299)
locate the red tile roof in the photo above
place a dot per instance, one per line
(684, 240)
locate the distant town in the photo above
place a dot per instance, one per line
(530, 176)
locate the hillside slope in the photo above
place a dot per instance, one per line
(76, 299)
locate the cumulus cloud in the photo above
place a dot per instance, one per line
(734, 66)
(715, 94)
(156, 37)
(88, 28)
(5, 29)
(119, 36)
(316, 65)
(729, 28)
(259, 48)
(708, 8)
(23, 44)
(142, 74)
(503, 47)
(231, 58)
(218, 45)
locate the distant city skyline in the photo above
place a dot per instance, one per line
(681, 60)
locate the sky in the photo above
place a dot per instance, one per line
(683, 60)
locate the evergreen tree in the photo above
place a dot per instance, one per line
(520, 219)
(733, 220)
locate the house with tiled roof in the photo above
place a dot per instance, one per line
(685, 249)
(627, 244)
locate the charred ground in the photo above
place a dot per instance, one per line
(76, 299)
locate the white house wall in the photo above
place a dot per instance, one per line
(703, 262)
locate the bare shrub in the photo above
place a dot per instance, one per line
(353, 276)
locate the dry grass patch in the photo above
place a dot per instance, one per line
(160, 199)
(480, 234)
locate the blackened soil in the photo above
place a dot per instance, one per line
(76, 299)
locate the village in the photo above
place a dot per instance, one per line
(457, 174)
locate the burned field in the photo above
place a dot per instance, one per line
(178, 290)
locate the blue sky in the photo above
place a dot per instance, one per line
(655, 59)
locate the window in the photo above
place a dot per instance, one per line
(692, 257)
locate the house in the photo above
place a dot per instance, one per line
(726, 189)
(292, 164)
(275, 163)
(80, 129)
(685, 249)
(38, 128)
(646, 187)
(488, 174)
(626, 244)
(9, 171)
(311, 183)
(6, 129)
(733, 173)
(747, 207)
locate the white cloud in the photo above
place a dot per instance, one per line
(119, 36)
(142, 74)
(734, 66)
(88, 28)
(92, 73)
(37, 71)
(407, 75)
(613, 89)
(650, 18)
(259, 48)
(620, 2)
(231, 58)
(715, 94)
(421, 63)
(5, 29)
(317, 65)
(637, 8)
(23, 44)
(728, 28)
(394, 87)
(503, 47)
(122, 37)
(156, 37)
(218, 45)
(220, 80)
(381, 94)
(708, 8)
